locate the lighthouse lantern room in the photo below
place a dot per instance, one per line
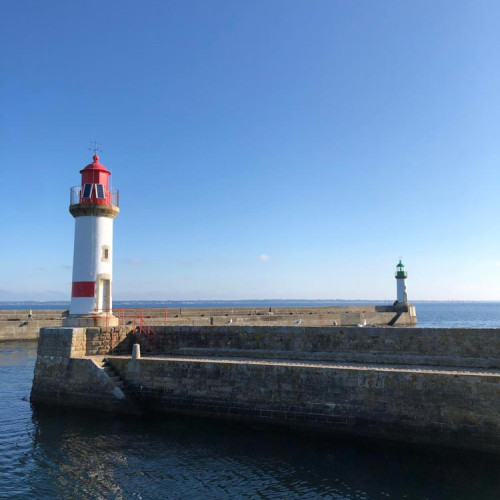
(94, 205)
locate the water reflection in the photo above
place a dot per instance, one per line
(49, 453)
(115, 457)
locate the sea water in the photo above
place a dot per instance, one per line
(54, 453)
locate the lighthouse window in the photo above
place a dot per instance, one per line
(87, 191)
(100, 191)
(105, 253)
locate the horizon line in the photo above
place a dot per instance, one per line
(59, 301)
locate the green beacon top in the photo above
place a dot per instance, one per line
(400, 270)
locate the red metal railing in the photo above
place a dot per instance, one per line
(138, 321)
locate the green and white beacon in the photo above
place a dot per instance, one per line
(401, 276)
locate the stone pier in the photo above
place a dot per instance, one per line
(429, 386)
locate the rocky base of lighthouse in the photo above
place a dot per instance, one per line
(103, 321)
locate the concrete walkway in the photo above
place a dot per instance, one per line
(397, 368)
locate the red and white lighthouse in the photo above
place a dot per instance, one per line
(94, 205)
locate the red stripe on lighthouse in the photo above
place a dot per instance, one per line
(83, 289)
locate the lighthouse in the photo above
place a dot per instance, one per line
(94, 205)
(401, 275)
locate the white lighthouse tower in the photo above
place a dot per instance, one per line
(401, 275)
(94, 205)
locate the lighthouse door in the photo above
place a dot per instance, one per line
(104, 295)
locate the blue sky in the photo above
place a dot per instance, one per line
(264, 149)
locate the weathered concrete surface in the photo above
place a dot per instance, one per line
(14, 325)
(428, 386)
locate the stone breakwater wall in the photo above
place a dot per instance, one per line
(479, 348)
(66, 375)
(448, 408)
(426, 386)
(288, 316)
(14, 325)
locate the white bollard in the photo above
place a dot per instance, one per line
(136, 351)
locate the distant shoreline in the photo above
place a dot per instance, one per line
(118, 304)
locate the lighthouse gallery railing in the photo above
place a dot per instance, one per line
(112, 197)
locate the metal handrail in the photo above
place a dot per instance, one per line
(112, 197)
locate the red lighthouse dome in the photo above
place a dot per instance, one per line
(95, 165)
(95, 183)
